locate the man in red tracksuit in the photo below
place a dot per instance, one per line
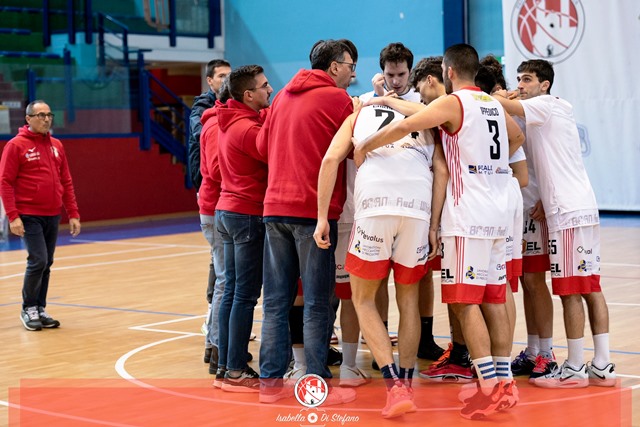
(34, 184)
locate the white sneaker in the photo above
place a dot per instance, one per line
(601, 377)
(294, 375)
(353, 376)
(563, 377)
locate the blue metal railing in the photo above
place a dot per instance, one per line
(33, 79)
(104, 21)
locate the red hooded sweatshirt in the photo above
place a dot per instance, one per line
(244, 174)
(209, 191)
(35, 178)
(304, 117)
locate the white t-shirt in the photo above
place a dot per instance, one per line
(478, 158)
(395, 179)
(554, 145)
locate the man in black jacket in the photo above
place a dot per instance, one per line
(217, 70)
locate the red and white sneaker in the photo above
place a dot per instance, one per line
(399, 402)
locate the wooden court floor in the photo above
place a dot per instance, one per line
(132, 309)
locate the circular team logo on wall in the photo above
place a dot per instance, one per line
(547, 29)
(311, 390)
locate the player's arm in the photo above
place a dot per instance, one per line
(442, 110)
(336, 153)
(439, 190)
(512, 106)
(520, 172)
(516, 137)
(407, 108)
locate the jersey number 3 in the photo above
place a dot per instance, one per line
(494, 150)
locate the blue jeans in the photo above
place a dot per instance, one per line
(215, 286)
(243, 238)
(290, 252)
(40, 235)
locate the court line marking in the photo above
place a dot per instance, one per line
(123, 373)
(100, 264)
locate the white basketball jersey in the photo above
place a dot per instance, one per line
(395, 179)
(554, 146)
(411, 95)
(478, 158)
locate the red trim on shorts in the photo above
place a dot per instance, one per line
(576, 285)
(463, 293)
(299, 287)
(509, 269)
(369, 270)
(343, 290)
(516, 267)
(435, 264)
(407, 276)
(536, 263)
(514, 284)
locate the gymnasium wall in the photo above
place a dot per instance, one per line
(114, 179)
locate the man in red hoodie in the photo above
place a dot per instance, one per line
(239, 220)
(34, 184)
(208, 196)
(297, 132)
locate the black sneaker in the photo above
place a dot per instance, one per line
(213, 361)
(31, 319)
(217, 382)
(334, 357)
(207, 354)
(430, 351)
(46, 320)
(247, 382)
(522, 364)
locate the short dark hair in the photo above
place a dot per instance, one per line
(395, 53)
(212, 65)
(485, 79)
(463, 58)
(324, 52)
(542, 69)
(224, 94)
(29, 109)
(353, 50)
(431, 66)
(242, 79)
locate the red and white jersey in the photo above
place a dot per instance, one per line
(478, 158)
(395, 179)
(553, 144)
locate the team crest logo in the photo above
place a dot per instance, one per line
(357, 247)
(311, 390)
(470, 273)
(582, 266)
(547, 29)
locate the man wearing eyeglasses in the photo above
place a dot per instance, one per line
(34, 184)
(303, 119)
(239, 220)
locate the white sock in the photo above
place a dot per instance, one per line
(486, 374)
(545, 347)
(299, 360)
(576, 353)
(503, 367)
(601, 357)
(533, 345)
(349, 353)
